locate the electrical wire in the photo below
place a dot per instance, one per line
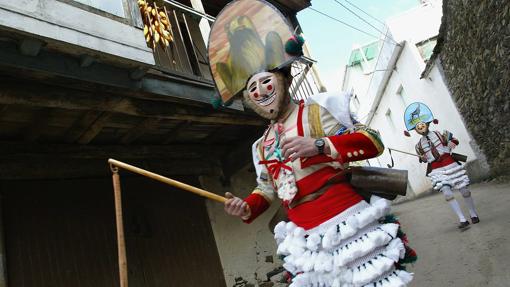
(365, 12)
(348, 25)
(362, 19)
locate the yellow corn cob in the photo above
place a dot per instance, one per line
(161, 30)
(156, 37)
(145, 30)
(166, 35)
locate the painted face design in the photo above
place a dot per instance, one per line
(422, 128)
(262, 89)
(266, 93)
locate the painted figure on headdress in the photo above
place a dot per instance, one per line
(443, 166)
(333, 236)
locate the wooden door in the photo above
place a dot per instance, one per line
(62, 233)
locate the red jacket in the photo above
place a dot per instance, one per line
(355, 144)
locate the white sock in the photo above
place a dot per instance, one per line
(471, 206)
(448, 194)
(456, 207)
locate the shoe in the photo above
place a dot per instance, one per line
(463, 225)
(475, 220)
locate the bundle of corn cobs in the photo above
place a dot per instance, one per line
(157, 28)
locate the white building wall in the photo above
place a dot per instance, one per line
(417, 24)
(433, 92)
(392, 88)
(356, 80)
(52, 19)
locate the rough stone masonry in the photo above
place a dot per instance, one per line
(474, 48)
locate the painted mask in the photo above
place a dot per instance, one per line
(422, 128)
(266, 93)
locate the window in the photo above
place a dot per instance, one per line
(364, 56)
(115, 7)
(426, 48)
(389, 118)
(401, 94)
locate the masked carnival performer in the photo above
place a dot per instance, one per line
(443, 166)
(334, 237)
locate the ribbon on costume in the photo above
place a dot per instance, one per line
(275, 166)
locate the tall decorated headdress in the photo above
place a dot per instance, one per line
(417, 113)
(248, 37)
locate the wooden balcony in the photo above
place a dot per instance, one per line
(187, 54)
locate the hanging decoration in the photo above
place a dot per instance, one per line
(157, 28)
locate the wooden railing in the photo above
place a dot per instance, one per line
(303, 85)
(187, 54)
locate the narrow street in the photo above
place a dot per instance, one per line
(478, 256)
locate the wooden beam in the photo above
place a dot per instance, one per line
(15, 150)
(30, 47)
(94, 129)
(55, 97)
(3, 109)
(145, 126)
(138, 73)
(173, 133)
(86, 60)
(21, 160)
(80, 126)
(37, 124)
(51, 168)
(65, 70)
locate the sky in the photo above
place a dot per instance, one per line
(331, 42)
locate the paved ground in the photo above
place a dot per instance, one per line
(479, 256)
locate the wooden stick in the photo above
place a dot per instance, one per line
(168, 181)
(121, 243)
(403, 152)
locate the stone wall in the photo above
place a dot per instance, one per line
(247, 251)
(474, 48)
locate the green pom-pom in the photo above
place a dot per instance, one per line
(408, 260)
(390, 218)
(216, 103)
(294, 46)
(400, 267)
(410, 256)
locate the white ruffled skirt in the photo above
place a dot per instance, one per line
(350, 249)
(453, 175)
